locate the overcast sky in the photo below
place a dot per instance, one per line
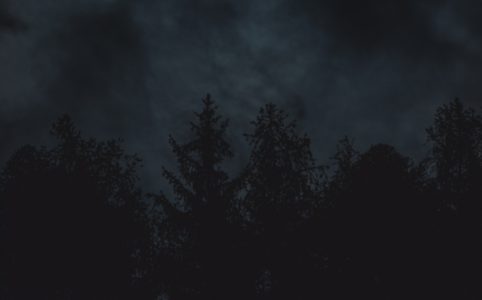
(375, 70)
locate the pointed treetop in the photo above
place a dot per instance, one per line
(200, 159)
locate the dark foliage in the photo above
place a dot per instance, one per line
(71, 218)
(196, 234)
(375, 225)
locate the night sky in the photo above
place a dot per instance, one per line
(375, 70)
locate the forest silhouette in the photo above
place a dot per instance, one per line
(75, 223)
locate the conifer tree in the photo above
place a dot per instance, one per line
(75, 222)
(282, 189)
(456, 138)
(282, 179)
(198, 216)
(456, 156)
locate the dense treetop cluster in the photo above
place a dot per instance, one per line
(74, 223)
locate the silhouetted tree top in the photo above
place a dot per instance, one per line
(200, 160)
(344, 160)
(379, 172)
(194, 231)
(384, 160)
(282, 176)
(345, 155)
(106, 161)
(75, 222)
(456, 138)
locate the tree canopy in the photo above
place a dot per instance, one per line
(372, 223)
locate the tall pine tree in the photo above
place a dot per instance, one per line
(198, 215)
(282, 187)
(282, 179)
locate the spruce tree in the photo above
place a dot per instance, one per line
(282, 189)
(282, 179)
(197, 218)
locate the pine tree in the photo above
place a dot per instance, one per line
(199, 212)
(202, 183)
(282, 189)
(282, 179)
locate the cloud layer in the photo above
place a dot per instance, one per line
(375, 70)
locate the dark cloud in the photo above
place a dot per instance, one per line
(8, 22)
(100, 65)
(375, 70)
(370, 25)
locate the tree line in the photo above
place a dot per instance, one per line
(75, 224)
